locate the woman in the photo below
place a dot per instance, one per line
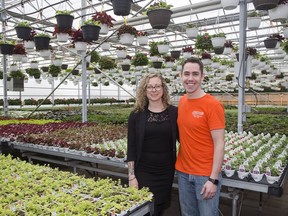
(152, 134)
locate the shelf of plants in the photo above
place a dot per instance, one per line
(257, 163)
(40, 190)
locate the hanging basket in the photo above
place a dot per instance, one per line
(6, 49)
(265, 4)
(125, 67)
(159, 18)
(29, 44)
(81, 46)
(90, 32)
(229, 4)
(62, 37)
(175, 54)
(218, 41)
(64, 21)
(163, 48)
(41, 43)
(121, 7)
(285, 32)
(23, 32)
(75, 72)
(253, 23)
(104, 29)
(192, 32)
(142, 40)
(270, 43)
(126, 39)
(279, 13)
(157, 64)
(219, 50)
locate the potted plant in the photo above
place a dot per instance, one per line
(206, 58)
(229, 4)
(192, 30)
(34, 64)
(273, 41)
(17, 80)
(62, 34)
(121, 7)
(159, 15)
(228, 47)
(253, 20)
(42, 41)
(78, 40)
(175, 54)
(18, 52)
(218, 39)
(203, 42)
(121, 52)
(45, 68)
(91, 30)
(163, 46)
(142, 37)
(106, 62)
(140, 59)
(265, 4)
(29, 42)
(126, 34)
(17, 74)
(35, 72)
(187, 51)
(23, 30)
(64, 19)
(169, 61)
(7, 46)
(54, 70)
(279, 13)
(105, 21)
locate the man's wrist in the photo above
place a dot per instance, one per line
(214, 181)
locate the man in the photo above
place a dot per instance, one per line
(201, 123)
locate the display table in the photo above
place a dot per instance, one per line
(75, 160)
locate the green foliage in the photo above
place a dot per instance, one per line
(54, 70)
(33, 72)
(284, 46)
(203, 42)
(220, 34)
(106, 62)
(63, 12)
(159, 5)
(95, 57)
(191, 25)
(140, 59)
(253, 14)
(153, 49)
(23, 24)
(1, 74)
(91, 22)
(42, 35)
(17, 74)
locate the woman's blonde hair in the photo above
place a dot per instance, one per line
(141, 98)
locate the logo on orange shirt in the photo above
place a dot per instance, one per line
(197, 114)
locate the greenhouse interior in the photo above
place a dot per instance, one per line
(69, 75)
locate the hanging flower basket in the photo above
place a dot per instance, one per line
(125, 67)
(104, 29)
(126, 39)
(121, 7)
(253, 23)
(91, 30)
(270, 43)
(41, 42)
(64, 21)
(265, 4)
(159, 18)
(62, 37)
(80, 46)
(121, 54)
(192, 32)
(6, 49)
(29, 45)
(163, 48)
(175, 54)
(157, 64)
(219, 50)
(229, 4)
(23, 32)
(279, 13)
(142, 40)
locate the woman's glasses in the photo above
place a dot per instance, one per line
(156, 87)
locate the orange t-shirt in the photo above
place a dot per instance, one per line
(196, 119)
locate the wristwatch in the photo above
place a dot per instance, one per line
(214, 181)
